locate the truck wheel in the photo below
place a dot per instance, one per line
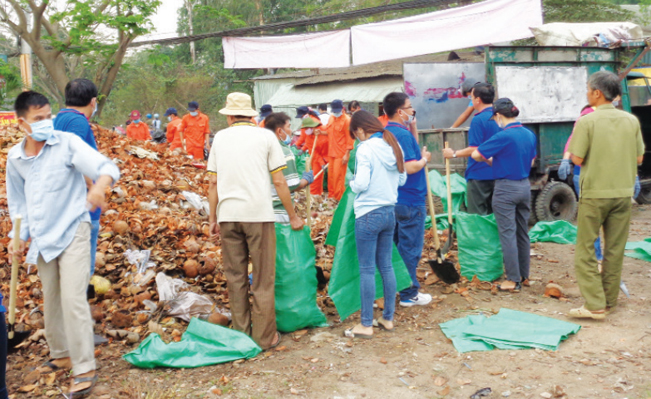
(644, 197)
(533, 219)
(556, 201)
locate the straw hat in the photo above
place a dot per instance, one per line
(238, 104)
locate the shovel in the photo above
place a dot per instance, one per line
(448, 243)
(14, 337)
(443, 269)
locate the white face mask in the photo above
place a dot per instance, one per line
(336, 114)
(42, 130)
(194, 113)
(309, 131)
(410, 118)
(169, 118)
(94, 111)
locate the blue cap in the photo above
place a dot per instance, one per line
(148, 116)
(193, 106)
(302, 111)
(337, 105)
(265, 110)
(171, 111)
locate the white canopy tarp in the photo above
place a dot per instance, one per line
(490, 21)
(571, 34)
(292, 51)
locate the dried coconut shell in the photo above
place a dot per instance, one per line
(191, 268)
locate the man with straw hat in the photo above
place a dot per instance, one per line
(244, 160)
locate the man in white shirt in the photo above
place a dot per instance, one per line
(244, 160)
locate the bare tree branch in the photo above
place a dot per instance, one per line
(38, 17)
(5, 18)
(22, 18)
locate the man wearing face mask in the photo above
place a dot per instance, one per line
(339, 146)
(46, 186)
(81, 105)
(410, 210)
(479, 174)
(279, 123)
(195, 129)
(137, 129)
(173, 133)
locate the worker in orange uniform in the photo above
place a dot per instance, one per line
(195, 129)
(339, 146)
(137, 129)
(314, 130)
(173, 134)
(304, 112)
(265, 111)
(384, 119)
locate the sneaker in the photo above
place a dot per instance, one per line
(420, 299)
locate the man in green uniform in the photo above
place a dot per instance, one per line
(279, 123)
(608, 146)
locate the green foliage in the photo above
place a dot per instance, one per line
(584, 11)
(12, 81)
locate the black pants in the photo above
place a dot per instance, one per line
(480, 196)
(3, 356)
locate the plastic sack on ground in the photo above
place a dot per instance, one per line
(641, 250)
(187, 305)
(202, 344)
(196, 201)
(168, 287)
(344, 278)
(508, 330)
(558, 231)
(480, 251)
(439, 188)
(296, 282)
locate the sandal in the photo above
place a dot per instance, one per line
(515, 289)
(485, 285)
(583, 313)
(525, 282)
(381, 324)
(53, 367)
(83, 392)
(350, 334)
(280, 338)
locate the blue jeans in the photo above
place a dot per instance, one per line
(597, 242)
(3, 356)
(410, 238)
(373, 234)
(94, 233)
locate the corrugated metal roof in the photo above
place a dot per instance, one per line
(387, 68)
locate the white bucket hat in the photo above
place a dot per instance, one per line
(238, 104)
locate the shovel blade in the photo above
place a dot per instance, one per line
(448, 243)
(19, 337)
(445, 270)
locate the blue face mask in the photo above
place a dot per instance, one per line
(94, 111)
(136, 121)
(42, 130)
(195, 113)
(288, 139)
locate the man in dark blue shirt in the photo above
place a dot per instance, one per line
(478, 174)
(81, 105)
(410, 209)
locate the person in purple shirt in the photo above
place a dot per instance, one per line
(81, 105)
(479, 175)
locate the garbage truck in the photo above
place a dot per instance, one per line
(549, 86)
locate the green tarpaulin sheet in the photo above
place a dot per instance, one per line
(508, 330)
(296, 282)
(441, 222)
(300, 160)
(202, 344)
(559, 231)
(480, 251)
(344, 279)
(640, 249)
(438, 185)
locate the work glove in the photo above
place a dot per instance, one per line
(637, 188)
(309, 176)
(300, 152)
(564, 170)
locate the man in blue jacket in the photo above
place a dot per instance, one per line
(81, 105)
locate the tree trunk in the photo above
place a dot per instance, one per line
(107, 84)
(193, 54)
(258, 7)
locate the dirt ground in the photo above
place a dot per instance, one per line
(606, 359)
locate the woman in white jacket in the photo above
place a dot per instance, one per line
(379, 170)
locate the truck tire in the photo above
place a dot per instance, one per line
(533, 219)
(556, 201)
(644, 197)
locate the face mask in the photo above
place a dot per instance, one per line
(288, 139)
(500, 123)
(616, 103)
(42, 130)
(136, 121)
(195, 113)
(336, 114)
(94, 111)
(410, 118)
(169, 118)
(309, 131)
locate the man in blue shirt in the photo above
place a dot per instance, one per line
(479, 174)
(81, 105)
(410, 209)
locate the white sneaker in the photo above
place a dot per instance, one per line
(420, 299)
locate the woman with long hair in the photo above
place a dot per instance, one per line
(379, 171)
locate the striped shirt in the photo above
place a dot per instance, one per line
(293, 181)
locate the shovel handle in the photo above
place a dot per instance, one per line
(447, 180)
(308, 197)
(15, 265)
(432, 214)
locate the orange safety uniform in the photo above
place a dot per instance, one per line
(195, 129)
(173, 133)
(384, 119)
(339, 145)
(138, 131)
(320, 156)
(261, 124)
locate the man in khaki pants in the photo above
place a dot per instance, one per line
(46, 186)
(608, 146)
(244, 160)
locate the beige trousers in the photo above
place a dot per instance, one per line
(68, 324)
